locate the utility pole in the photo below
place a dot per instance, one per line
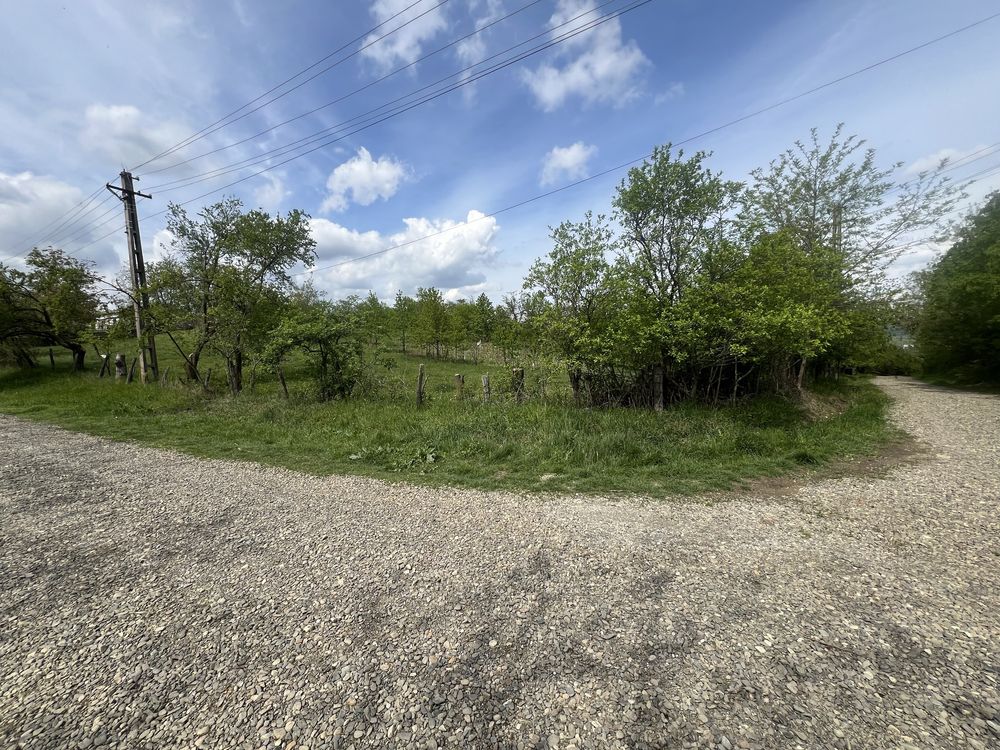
(137, 268)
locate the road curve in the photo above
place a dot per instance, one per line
(154, 600)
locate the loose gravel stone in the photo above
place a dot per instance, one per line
(154, 600)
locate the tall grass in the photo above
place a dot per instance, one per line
(532, 446)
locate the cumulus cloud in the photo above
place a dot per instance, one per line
(406, 45)
(33, 210)
(597, 66)
(454, 259)
(270, 195)
(363, 180)
(122, 134)
(566, 163)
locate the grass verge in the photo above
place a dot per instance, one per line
(533, 447)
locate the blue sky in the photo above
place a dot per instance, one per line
(88, 87)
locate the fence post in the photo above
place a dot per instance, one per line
(658, 388)
(104, 365)
(52, 358)
(486, 388)
(120, 367)
(459, 385)
(517, 378)
(420, 386)
(131, 370)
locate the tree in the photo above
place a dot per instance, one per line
(834, 195)
(404, 313)
(228, 279)
(184, 288)
(374, 318)
(573, 281)
(677, 217)
(958, 329)
(431, 324)
(54, 303)
(327, 334)
(484, 319)
(674, 214)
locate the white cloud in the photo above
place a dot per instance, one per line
(931, 161)
(673, 91)
(35, 208)
(406, 45)
(599, 67)
(122, 134)
(453, 260)
(363, 179)
(567, 163)
(270, 195)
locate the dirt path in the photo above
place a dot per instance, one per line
(149, 599)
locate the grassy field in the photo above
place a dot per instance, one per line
(533, 446)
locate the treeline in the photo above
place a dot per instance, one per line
(693, 286)
(957, 306)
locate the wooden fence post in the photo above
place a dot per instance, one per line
(131, 370)
(486, 388)
(120, 367)
(658, 388)
(517, 380)
(459, 385)
(420, 386)
(281, 379)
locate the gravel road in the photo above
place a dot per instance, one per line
(154, 600)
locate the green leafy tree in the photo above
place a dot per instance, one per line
(227, 279)
(404, 313)
(54, 302)
(484, 319)
(958, 329)
(375, 318)
(431, 323)
(573, 281)
(326, 333)
(184, 287)
(834, 195)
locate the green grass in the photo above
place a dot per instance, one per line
(534, 446)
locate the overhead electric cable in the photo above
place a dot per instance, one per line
(225, 121)
(370, 84)
(398, 110)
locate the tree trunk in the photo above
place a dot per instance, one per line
(574, 382)
(235, 367)
(802, 374)
(78, 355)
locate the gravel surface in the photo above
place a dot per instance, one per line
(154, 600)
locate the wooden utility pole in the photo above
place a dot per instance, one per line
(137, 268)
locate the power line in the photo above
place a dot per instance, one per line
(586, 27)
(375, 119)
(603, 173)
(375, 82)
(631, 162)
(219, 124)
(72, 211)
(73, 226)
